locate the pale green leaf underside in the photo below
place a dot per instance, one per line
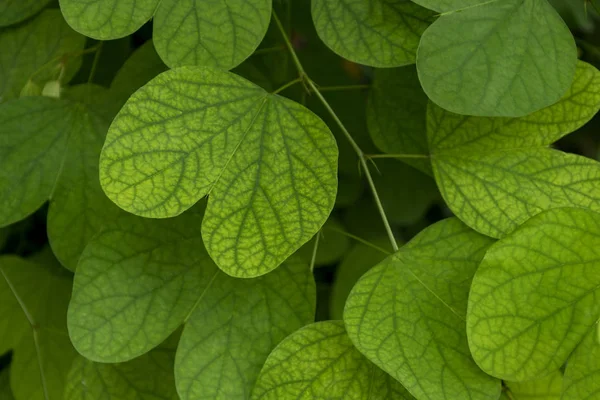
(220, 33)
(466, 67)
(35, 295)
(107, 19)
(320, 362)
(149, 377)
(495, 173)
(13, 11)
(235, 326)
(372, 32)
(407, 314)
(582, 375)
(535, 295)
(549, 387)
(136, 282)
(269, 164)
(26, 48)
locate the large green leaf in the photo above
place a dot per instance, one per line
(235, 326)
(396, 115)
(549, 387)
(495, 173)
(220, 33)
(107, 19)
(582, 375)
(149, 377)
(466, 65)
(407, 314)
(38, 47)
(446, 6)
(5, 390)
(320, 362)
(136, 282)
(33, 306)
(372, 32)
(268, 163)
(535, 295)
(13, 11)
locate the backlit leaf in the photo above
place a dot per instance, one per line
(269, 164)
(320, 362)
(407, 314)
(13, 11)
(535, 295)
(371, 32)
(582, 375)
(547, 388)
(466, 66)
(495, 173)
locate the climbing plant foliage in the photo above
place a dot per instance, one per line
(299, 199)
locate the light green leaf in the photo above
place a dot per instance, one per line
(407, 314)
(13, 11)
(33, 306)
(107, 19)
(149, 377)
(136, 282)
(466, 67)
(143, 65)
(235, 326)
(371, 32)
(547, 388)
(269, 164)
(582, 375)
(332, 244)
(396, 115)
(495, 173)
(220, 33)
(37, 48)
(357, 261)
(5, 390)
(320, 362)
(535, 295)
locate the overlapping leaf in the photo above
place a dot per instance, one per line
(549, 387)
(33, 306)
(220, 33)
(495, 173)
(466, 66)
(582, 375)
(320, 362)
(268, 163)
(372, 32)
(13, 11)
(37, 50)
(407, 314)
(535, 295)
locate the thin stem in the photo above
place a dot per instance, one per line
(354, 145)
(372, 156)
(343, 88)
(95, 62)
(287, 85)
(314, 253)
(358, 239)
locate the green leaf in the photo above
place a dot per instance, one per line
(269, 164)
(332, 244)
(582, 375)
(107, 19)
(320, 362)
(355, 264)
(407, 314)
(547, 388)
(396, 115)
(495, 173)
(466, 66)
(212, 33)
(5, 390)
(136, 282)
(535, 295)
(149, 377)
(33, 306)
(143, 65)
(444, 6)
(235, 326)
(37, 48)
(13, 11)
(372, 32)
